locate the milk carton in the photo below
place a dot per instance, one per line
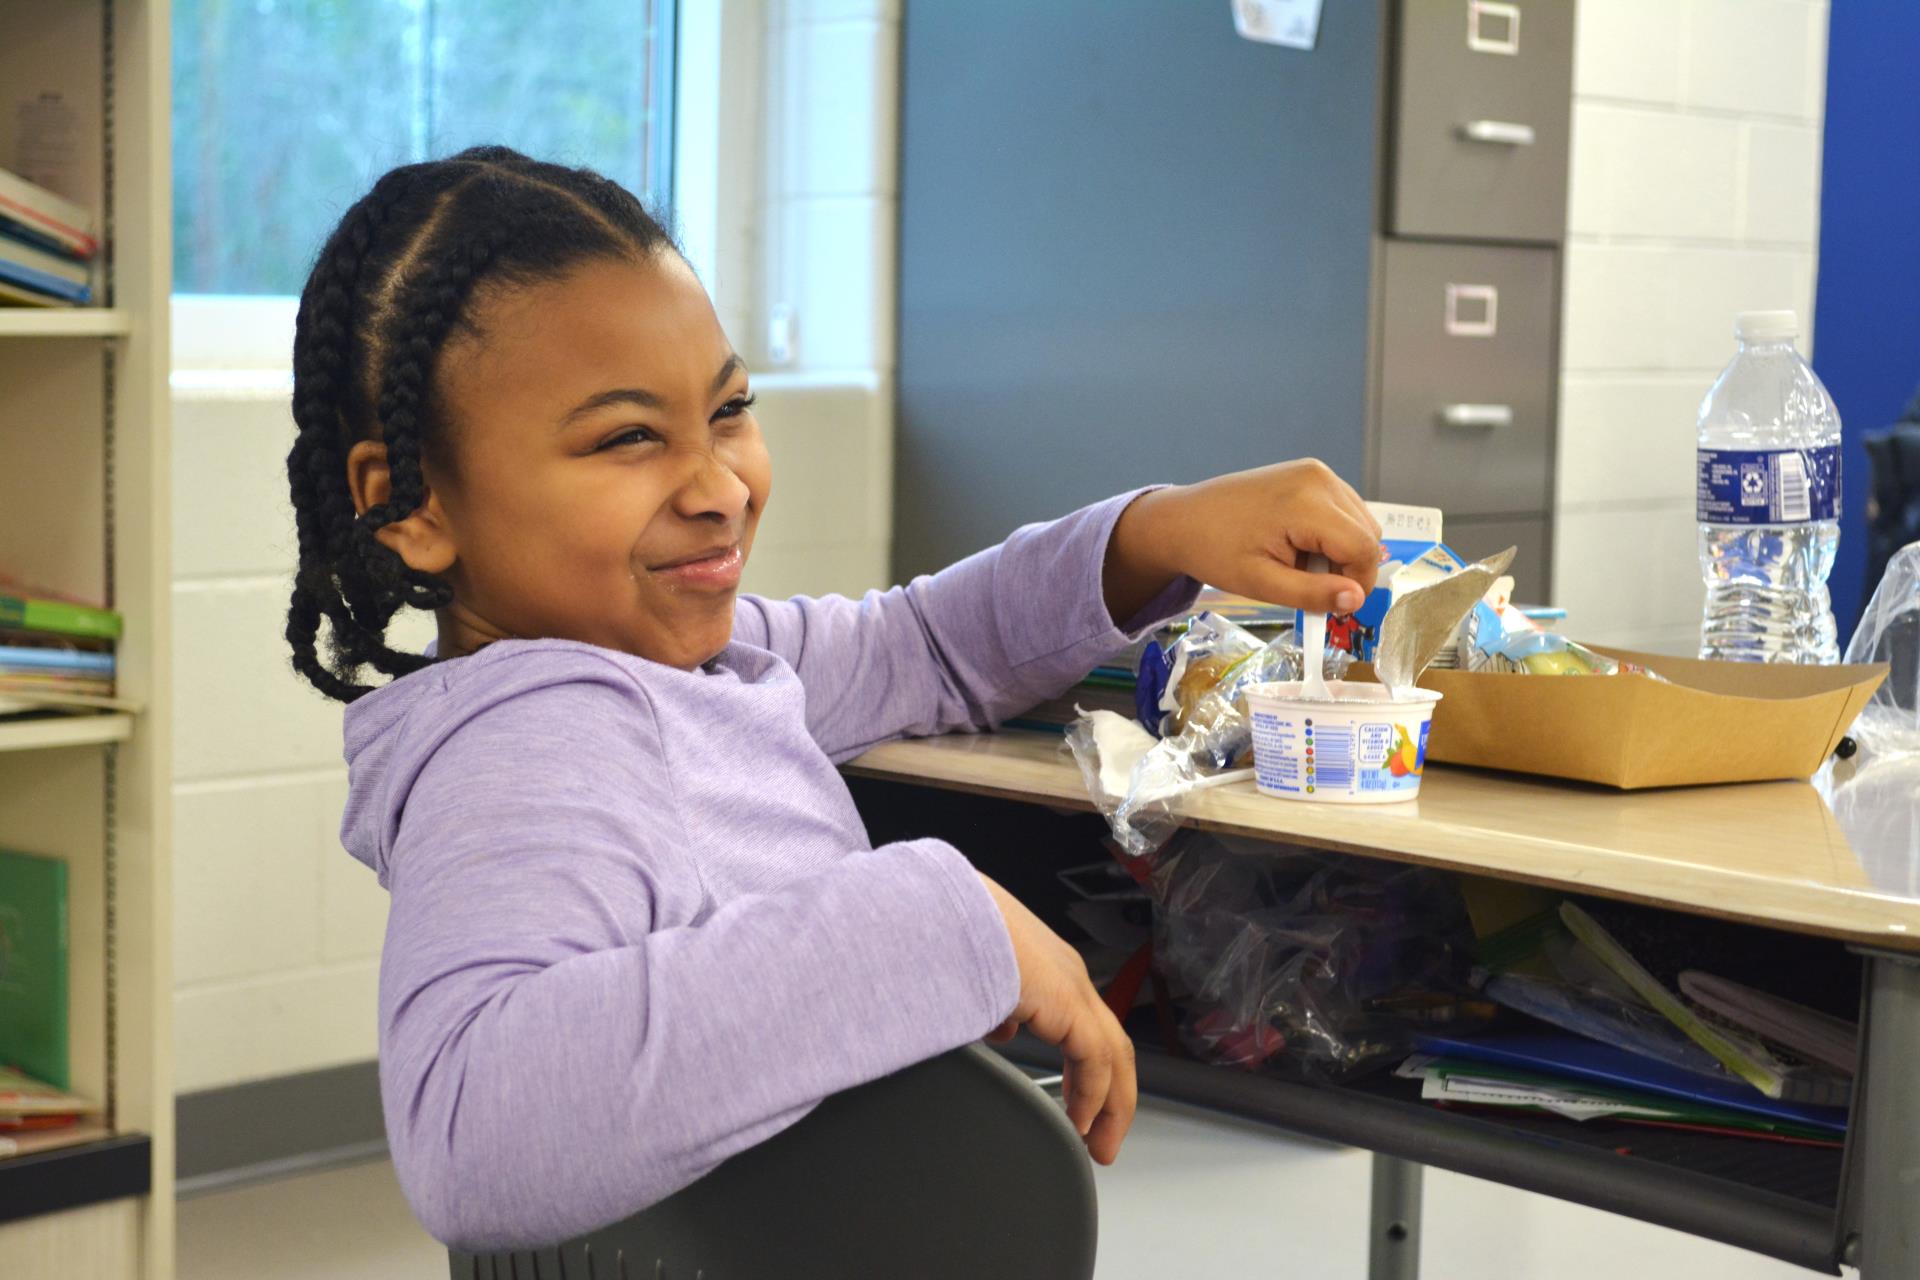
(1411, 555)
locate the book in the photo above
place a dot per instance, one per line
(33, 966)
(52, 216)
(13, 229)
(18, 659)
(44, 272)
(20, 1144)
(30, 613)
(19, 295)
(1559, 1054)
(40, 258)
(22, 1096)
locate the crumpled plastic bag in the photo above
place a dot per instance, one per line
(1195, 687)
(1311, 961)
(1889, 632)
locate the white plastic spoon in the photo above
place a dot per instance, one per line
(1313, 643)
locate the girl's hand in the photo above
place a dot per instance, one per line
(1058, 1004)
(1249, 533)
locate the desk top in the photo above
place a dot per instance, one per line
(1838, 857)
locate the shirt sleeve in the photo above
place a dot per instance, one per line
(566, 1039)
(962, 649)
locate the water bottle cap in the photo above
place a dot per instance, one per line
(1766, 326)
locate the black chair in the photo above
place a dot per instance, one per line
(957, 1168)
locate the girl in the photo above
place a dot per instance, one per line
(636, 924)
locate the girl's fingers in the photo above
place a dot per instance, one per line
(1311, 592)
(1086, 1088)
(1110, 1127)
(1004, 1032)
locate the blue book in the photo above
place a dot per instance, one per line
(73, 661)
(1583, 1059)
(18, 273)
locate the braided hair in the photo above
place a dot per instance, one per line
(393, 281)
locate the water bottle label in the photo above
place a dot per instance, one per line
(1767, 486)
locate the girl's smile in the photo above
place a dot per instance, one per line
(717, 569)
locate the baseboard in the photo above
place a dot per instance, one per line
(266, 1129)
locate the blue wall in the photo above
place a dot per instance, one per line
(1867, 305)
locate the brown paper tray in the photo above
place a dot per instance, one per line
(1712, 722)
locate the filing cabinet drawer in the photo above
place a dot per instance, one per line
(1532, 569)
(1482, 98)
(1466, 378)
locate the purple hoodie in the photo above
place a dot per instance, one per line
(637, 925)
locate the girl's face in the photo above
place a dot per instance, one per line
(604, 474)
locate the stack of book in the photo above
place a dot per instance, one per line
(36, 1108)
(34, 1115)
(55, 655)
(1619, 1046)
(47, 244)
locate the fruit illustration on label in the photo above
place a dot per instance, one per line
(1405, 758)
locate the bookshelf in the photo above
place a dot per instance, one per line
(85, 490)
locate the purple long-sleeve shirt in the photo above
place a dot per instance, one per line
(637, 925)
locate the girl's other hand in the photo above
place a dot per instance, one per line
(1058, 1003)
(1249, 533)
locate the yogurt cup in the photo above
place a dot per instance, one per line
(1362, 746)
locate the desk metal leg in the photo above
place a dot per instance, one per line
(1890, 1123)
(1393, 1250)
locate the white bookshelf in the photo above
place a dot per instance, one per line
(84, 506)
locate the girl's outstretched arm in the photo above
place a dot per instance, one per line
(1021, 622)
(966, 647)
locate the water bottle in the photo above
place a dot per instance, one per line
(1768, 500)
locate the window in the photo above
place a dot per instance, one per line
(284, 111)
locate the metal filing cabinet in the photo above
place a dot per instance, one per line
(1136, 247)
(1482, 98)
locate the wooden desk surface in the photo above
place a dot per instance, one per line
(1772, 853)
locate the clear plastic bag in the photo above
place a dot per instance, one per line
(1197, 696)
(1889, 632)
(1303, 960)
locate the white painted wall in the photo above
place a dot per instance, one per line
(1695, 195)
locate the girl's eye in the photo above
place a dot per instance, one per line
(736, 406)
(636, 435)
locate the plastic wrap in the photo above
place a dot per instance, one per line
(1295, 958)
(1889, 632)
(1197, 682)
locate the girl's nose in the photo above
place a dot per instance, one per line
(712, 490)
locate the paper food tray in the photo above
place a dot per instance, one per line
(1711, 722)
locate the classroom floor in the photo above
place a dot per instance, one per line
(1194, 1195)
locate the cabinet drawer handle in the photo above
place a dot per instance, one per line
(1477, 415)
(1505, 132)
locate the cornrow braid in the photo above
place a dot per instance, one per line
(395, 278)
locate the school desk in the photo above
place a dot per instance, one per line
(1836, 860)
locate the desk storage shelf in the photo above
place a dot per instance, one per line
(1773, 1199)
(1772, 856)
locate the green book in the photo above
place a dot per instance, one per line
(33, 966)
(29, 614)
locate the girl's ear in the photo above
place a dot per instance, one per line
(422, 538)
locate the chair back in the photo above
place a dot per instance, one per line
(956, 1168)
